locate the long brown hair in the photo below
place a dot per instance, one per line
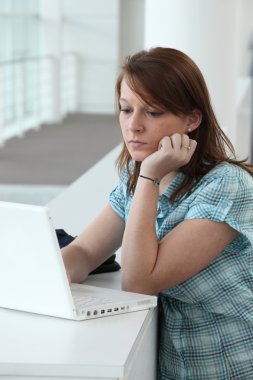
(169, 79)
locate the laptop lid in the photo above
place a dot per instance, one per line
(32, 273)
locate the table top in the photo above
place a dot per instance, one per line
(32, 344)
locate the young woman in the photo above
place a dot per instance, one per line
(183, 214)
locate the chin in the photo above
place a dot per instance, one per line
(138, 156)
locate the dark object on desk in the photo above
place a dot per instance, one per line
(110, 265)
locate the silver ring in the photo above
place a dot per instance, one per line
(187, 147)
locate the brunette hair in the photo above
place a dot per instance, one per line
(169, 79)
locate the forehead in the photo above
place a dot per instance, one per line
(125, 88)
(128, 93)
(137, 95)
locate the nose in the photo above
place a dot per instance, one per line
(136, 122)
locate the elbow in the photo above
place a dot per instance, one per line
(129, 287)
(134, 285)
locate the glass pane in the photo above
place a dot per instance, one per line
(19, 41)
(25, 6)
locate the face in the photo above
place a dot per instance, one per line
(143, 126)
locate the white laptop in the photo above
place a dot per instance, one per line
(33, 276)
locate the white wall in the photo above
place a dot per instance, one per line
(245, 37)
(131, 26)
(218, 35)
(206, 31)
(244, 126)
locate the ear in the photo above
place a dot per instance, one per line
(194, 120)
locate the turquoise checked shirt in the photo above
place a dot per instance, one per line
(206, 322)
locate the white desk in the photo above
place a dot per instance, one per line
(77, 206)
(110, 348)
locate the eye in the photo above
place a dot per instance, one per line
(125, 110)
(154, 113)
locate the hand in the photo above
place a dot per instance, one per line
(173, 152)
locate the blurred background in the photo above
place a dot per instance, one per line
(58, 63)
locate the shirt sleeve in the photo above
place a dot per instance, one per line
(226, 199)
(117, 200)
(229, 199)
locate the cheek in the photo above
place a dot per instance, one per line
(168, 130)
(161, 132)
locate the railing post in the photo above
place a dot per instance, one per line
(56, 89)
(20, 98)
(70, 82)
(1, 109)
(76, 81)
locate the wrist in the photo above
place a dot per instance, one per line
(156, 181)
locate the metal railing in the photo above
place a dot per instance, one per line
(37, 90)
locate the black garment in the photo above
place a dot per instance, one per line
(110, 265)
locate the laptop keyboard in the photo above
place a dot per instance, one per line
(95, 305)
(89, 301)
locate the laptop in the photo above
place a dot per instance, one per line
(33, 276)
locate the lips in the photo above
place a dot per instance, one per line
(136, 143)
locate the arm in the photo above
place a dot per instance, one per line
(94, 245)
(149, 266)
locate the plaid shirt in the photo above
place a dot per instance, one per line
(206, 322)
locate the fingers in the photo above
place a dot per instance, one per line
(185, 142)
(175, 141)
(165, 143)
(173, 152)
(192, 145)
(179, 143)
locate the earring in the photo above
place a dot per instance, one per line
(189, 130)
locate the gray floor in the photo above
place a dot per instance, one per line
(36, 167)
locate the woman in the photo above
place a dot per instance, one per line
(182, 213)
